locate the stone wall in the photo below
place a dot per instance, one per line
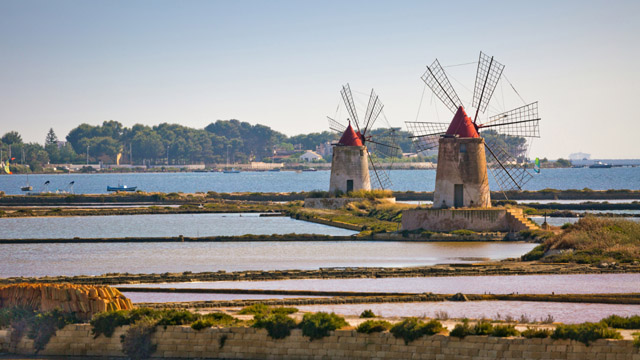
(455, 219)
(249, 343)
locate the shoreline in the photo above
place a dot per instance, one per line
(503, 268)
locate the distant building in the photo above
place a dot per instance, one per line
(310, 156)
(61, 144)
(579, 156)
(325, 149)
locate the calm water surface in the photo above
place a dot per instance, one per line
(159, 225)
(559, 221)
(157, 297)
(527, 284)
(568, 313)
(284, 181)
(95, 259)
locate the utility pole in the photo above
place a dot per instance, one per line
(87, 154)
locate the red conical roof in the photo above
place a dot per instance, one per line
(350, 137)
(462, 125)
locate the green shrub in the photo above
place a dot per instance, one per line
(136, 342)
(585, 332)
(177, 317)
(536, 333)
(504, 331)
(371, 326)
(462, 329)
(463, 232)
(411, 329)
(278, 325)
(261, 310)
(318, 325)
(535, 254)
(367, 314)
(212, 319)
(106, 323)
(483, 328)
(619, 322)
(44, 325)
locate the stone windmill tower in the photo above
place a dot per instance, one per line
(462, 179)
(355, 161)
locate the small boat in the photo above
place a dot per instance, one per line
(232, 171)
(121, 188)
(310, 169)
(27, 187)
(600, 165)
(274, 169)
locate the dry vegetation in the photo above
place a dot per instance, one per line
(592, 240)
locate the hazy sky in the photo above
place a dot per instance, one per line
(281, 63)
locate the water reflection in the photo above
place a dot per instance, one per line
(96, 259)
(568, 313)
(525, 284)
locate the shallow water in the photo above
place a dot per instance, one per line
(101, 258)
(568, 313)
(525, 284)
(559, 221)
(159, 226)
(284, 181)
(166, 297)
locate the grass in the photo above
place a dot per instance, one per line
(593, 240)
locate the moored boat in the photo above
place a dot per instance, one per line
(121, 188)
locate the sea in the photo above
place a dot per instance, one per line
(291, 181)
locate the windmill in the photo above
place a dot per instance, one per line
(461, 177)
(356, 156)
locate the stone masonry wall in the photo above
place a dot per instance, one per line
(249, 343)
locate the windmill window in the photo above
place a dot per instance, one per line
(361, 152)
(463, 148)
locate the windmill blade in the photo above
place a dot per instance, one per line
(381, 179)
(437, 80)
(348, 102)
(385, 145)
(505, 169)
(336, 125)
(426, 135)
(522, 121)
(487, 77)
(374, 108)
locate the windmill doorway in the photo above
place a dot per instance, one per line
(349, 185)
(458, 195)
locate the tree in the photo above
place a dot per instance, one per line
(51, 138)
(11, 138)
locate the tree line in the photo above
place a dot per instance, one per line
(173, 143)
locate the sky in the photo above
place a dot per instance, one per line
(282, 63)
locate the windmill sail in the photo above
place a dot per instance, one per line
(347, 97)
(487, 77)
(373, 111)
(523, 121)
(437, 80)
(336, 125)
(383, 146)
(506, 170)
(426, 135)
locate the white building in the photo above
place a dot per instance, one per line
(310, 156)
